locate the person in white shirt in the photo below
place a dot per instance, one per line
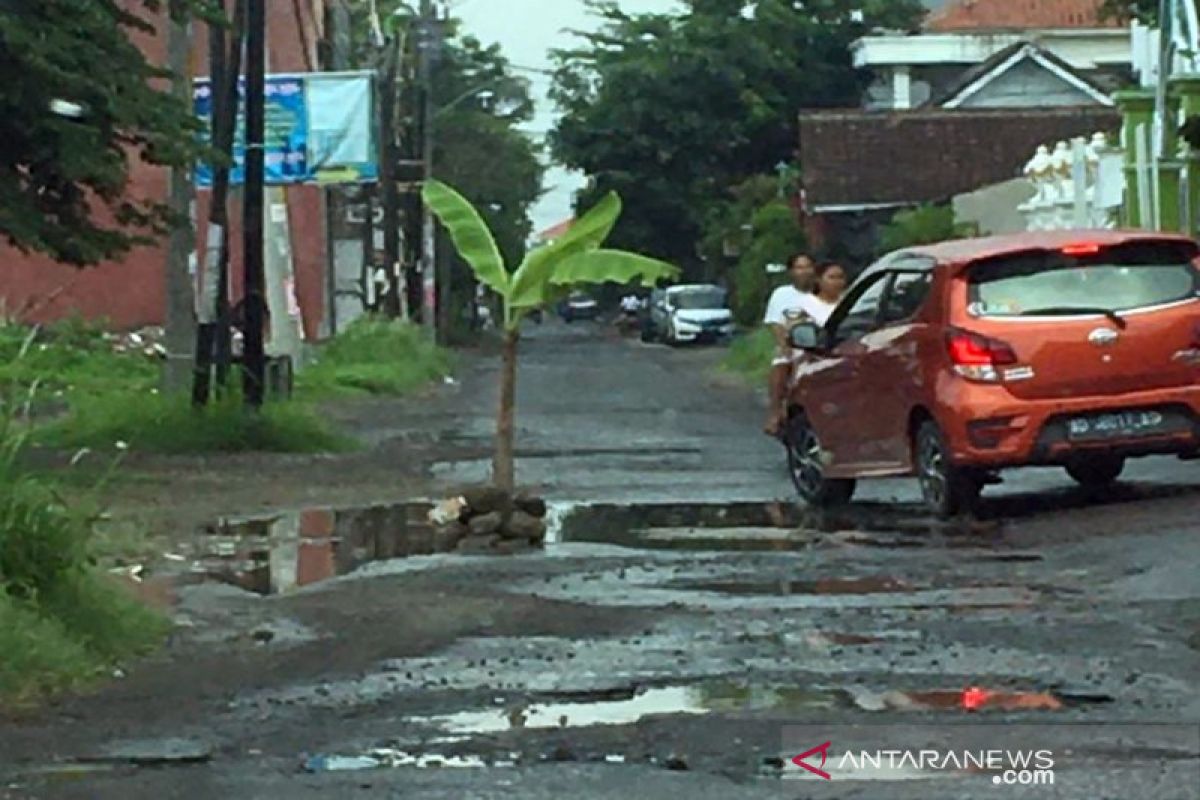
(630, 304)
(829, 288)
(788, 306)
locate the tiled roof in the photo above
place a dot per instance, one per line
(863, 158)
(974, 15)
(552, 233)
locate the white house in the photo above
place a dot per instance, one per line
(999, 53)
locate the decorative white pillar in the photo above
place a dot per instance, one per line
(1038, 210)
(1064, 190)
(902, 88)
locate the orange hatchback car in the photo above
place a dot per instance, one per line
(958, 360)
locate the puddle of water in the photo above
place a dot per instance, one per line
(387, 758)
(612, 523)
(829, 586)
(290, 550)
(630, 706)
(637, 705)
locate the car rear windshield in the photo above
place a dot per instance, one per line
(697, 299)
(1112, 279)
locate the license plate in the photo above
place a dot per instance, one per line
(1116, 425)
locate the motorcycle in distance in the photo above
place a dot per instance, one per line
(629, 321)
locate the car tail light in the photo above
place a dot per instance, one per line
(977, 357)
(1081, 249)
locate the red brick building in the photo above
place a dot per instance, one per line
(131, 293)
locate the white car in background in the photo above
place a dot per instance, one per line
(697, 312)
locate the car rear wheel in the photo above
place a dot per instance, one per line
(1096, 472)
(947, 489)
(806, 465)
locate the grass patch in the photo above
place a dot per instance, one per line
(750, 356)
(159, 424)
(63, 623)
(375, 356)
(70, 358)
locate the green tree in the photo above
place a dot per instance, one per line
(480, 148)
(673, 110)
(755, 229)
(80, 103)
(544, 275)
(922, 225)
(1124, 10)
(480, 103)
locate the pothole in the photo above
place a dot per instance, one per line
(787, 586)
(635, 704)
(289, 550)
(627, 707)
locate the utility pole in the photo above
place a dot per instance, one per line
(181, 307)
(212, 335)
(430, 40)
(254, 297)
(387, 173)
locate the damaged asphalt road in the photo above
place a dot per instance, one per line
(655, 658)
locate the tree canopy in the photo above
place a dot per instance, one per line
(1123, 10)
(80, 104)
(480, 147)
(480, 105)
(675, 110)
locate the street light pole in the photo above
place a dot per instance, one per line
(254, 299)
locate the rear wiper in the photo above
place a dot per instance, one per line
(1060, 311)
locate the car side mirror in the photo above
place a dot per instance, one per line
(807, 336)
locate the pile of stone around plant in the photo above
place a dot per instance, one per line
(489, 521)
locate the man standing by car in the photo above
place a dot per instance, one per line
(789, 305)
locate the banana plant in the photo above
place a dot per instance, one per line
(544, 277)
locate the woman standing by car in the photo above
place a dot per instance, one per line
(829, 287)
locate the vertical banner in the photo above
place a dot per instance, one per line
(341, 142)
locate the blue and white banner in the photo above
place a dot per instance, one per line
(319, 129)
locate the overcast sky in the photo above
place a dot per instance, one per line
(528, 30)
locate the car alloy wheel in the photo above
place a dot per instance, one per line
(946, 489)
(806, 465)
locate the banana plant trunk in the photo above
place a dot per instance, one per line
(503, 461)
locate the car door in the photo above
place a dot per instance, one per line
(830, 383)
(658, 310)
(890, 369)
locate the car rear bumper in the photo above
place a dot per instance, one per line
(1000, 431)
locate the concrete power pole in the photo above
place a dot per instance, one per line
(429, 42)
(181, 304)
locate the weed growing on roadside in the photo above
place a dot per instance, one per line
(62, 622)
(750, 356)
(375, 356)
(70, 358)
(159, 424)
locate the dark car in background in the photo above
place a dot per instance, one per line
(578, 306)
